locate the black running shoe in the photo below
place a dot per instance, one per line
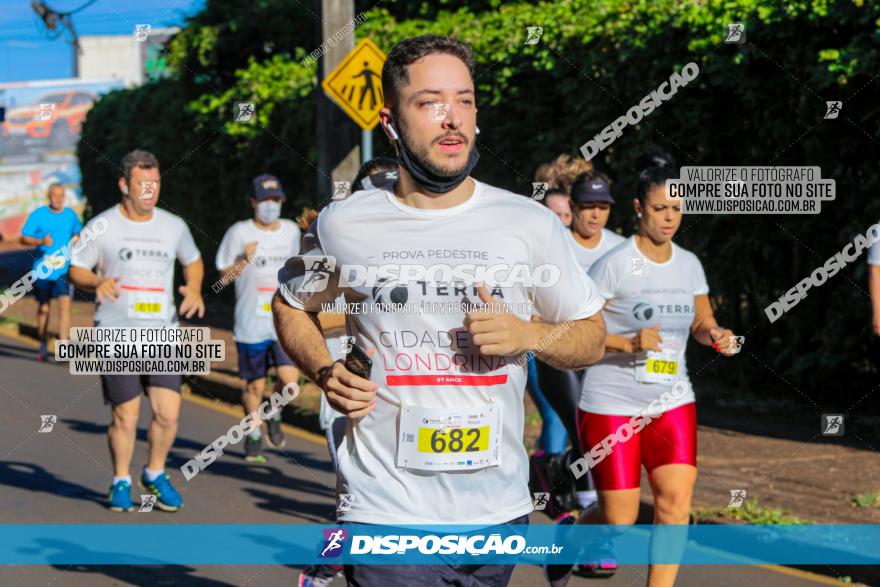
(559, 575)
(253, 450)
(276, 436)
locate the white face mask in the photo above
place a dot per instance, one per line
(268, 211)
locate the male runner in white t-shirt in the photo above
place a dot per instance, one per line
(403, 459)
(131, 270)
(251, 253)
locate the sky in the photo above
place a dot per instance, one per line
(27, 54)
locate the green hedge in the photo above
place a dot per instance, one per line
(754, 104)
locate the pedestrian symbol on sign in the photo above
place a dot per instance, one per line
(356, 84)
(368, 75)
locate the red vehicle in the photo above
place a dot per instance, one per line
(40, 120)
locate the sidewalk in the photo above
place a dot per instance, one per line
(810, 479)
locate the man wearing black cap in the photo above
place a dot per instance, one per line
(591, 202)
(251, 254)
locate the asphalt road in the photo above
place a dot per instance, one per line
(63, 477)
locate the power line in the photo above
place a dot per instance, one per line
(75, 10)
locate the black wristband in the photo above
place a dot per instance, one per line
(325, 372)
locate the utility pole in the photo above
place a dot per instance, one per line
(337, 136)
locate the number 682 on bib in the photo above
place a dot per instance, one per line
(437, 440)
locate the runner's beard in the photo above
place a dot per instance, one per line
(425, 172)
(422, 154)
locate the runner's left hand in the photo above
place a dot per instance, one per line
(723, 341)
(192, 302)
(495, 330)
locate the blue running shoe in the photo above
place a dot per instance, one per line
(120, 497)
(167, 498)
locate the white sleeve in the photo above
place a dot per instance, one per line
(230, 249)
(85, 252)
(602, 275)
(574, 296)
(297, 238)
(310, 279)
(874, 254)
(187, 252)
(701, 286)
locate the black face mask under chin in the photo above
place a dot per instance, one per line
(434, 183)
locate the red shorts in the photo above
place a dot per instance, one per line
(668, 439)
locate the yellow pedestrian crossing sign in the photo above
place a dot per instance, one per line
(356, 84)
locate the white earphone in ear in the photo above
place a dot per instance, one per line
(125, 190)
(392, 132)
(639, 214)
(476, 130)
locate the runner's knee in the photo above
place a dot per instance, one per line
(255, 388)
(125, 422)
(619, 517)
(673, 505)
(166, 418)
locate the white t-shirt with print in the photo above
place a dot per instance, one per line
(586, 257)
(140, 255)
(429, 359)
(257, 280)
(641, 293)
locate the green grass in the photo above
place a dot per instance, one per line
(749, 512)
(7, 322)
(870, 499)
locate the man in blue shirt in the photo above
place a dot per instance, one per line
(49, 228)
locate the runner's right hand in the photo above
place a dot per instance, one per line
(647, 339)
(47, 240)
(347, 393)
(250, 249)
(107, 289)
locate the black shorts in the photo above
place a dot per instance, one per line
(429, 575)
(255, 359)
(46, 289)
(119, 389)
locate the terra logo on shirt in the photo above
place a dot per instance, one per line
(126, 254)
(644, 312)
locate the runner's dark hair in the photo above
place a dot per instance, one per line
(654, 166)
(407, 52)
(554, 191)
(138, 158)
